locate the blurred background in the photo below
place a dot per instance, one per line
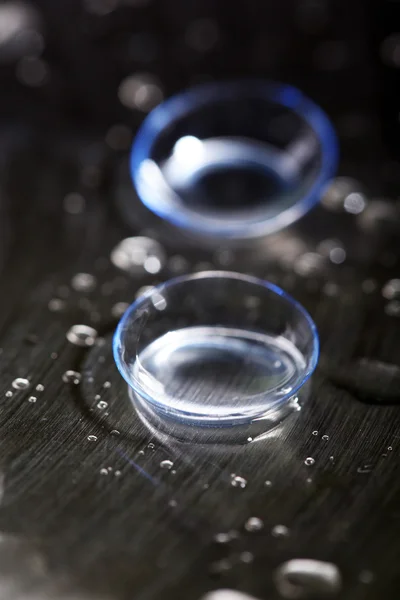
(77, 77)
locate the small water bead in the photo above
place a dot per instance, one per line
(117, 473)
(20, 383)
(141, 91)
(222, 538)
(102, 405)
(366, 577)
(392, 308)
(119, 309)
(237, 481)
(391, 289)
(166, 464)
(364, 469)
(221, 566)
(310, 263)
(82, 335)
(280, 531)
(32, 399)
(54, 355)
(305, 578)
(40, 387)
(315, 432)
(268, 483)
(56, 305)
(246, 557)
(115, 432)
(9, 394)
(72, 377)
(74, 203)
(141, 453)
(151, 445)
(368, 286)
(97, 397)
(107, 385)
(92, 438)
(136, 255)
(325, 438)
(390, 448)
(309, 461)
(253, 524)
(103, 471)
(83, 282)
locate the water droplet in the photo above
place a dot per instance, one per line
(308, 480)
(102, 405)
(246, 557)
(280, 531)
(74, 203)
(54, 355)
(117, 473)
(109, 469)
(107, 385)
(305, 577)
(20, 383)
(222, 538)
(309, 461)
(9, 394)
(166, 464)
(268, 483)
(92, 438)
(221, 566)
(310, 263)
(178, 264)
(72, 377)
(365, 469)
(141, 91)
(390, 448)
(325, 438)
(82, 335)
(237, 481)
(83, 282)
(40, 387)
(119, 137)
(103, 471)
(330, 289)
(151, 445)
(392, 308)
(338, 192)
(366, 577)
(173, 503)
(368, 286)
(355, 203)
(141, 452)
(391, 289)
(315, 432)
(253, 524)
(115, 432)
(139, 254)
(119, 309)
(56, 305)
(32, 399)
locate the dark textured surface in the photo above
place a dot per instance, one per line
(68, 530)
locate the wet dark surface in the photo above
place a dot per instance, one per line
(86, 509)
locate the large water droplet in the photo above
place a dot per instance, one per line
(309, 461)
(139, 254)
(82, 335)
(92, 438)
(304, 577)
(102, 405)
(20, 383)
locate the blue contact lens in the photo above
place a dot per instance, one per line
(234, 160)
(216, 349)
